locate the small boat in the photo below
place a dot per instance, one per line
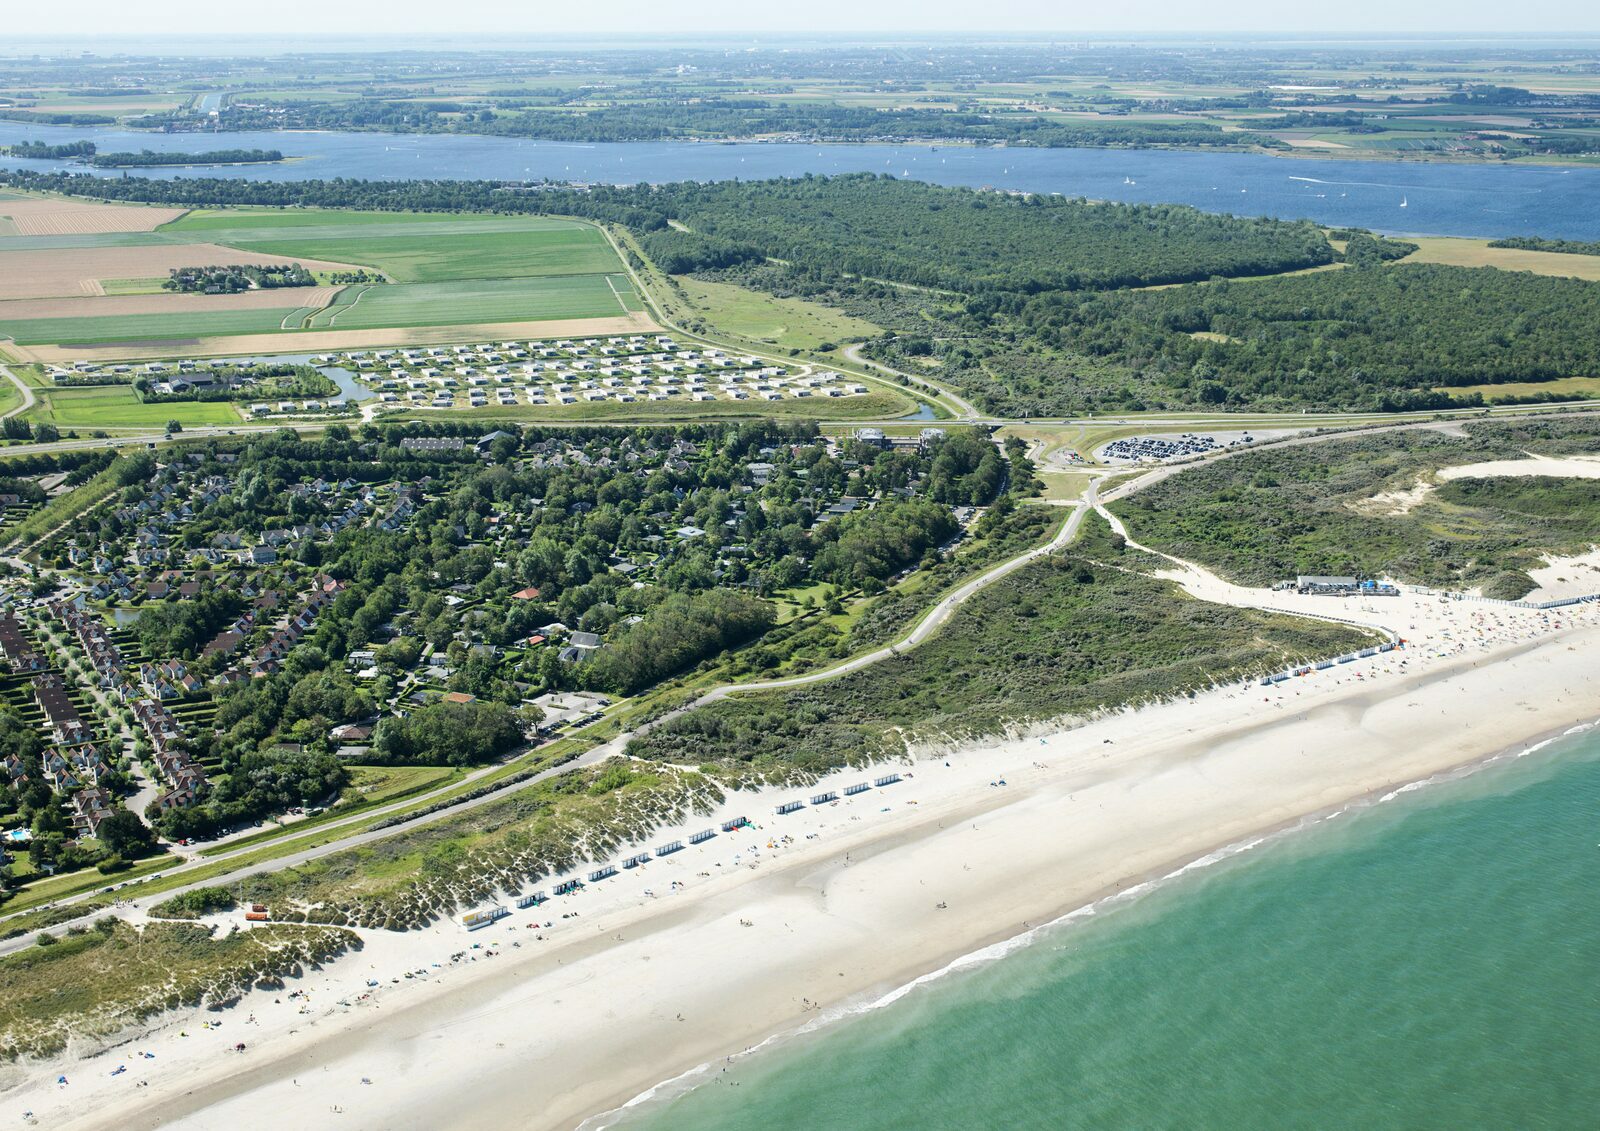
(1402, 202)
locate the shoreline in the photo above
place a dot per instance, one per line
(841, 919)
(1131, 889)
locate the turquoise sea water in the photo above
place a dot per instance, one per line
(1428, 962)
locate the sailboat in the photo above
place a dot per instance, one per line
(1402, 202)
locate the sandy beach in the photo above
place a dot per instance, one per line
(712, 950)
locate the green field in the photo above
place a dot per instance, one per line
(789, 323)
(411, 248)
(447, 270)
(117, 406)
(469, 301)
(177, 326)
(133, 286)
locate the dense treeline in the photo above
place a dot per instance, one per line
(881, 542)
(44, 151)
(447, 734)
(1539, 243)
(963, 240)
(677, 634)
(148, 157)
(179, 628)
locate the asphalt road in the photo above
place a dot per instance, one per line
(28, 399)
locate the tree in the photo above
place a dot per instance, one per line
(174, 426)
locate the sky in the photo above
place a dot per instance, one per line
(521, 19)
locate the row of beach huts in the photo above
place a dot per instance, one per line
(477, 920)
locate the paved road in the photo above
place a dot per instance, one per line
(23, 387)
(963, 407)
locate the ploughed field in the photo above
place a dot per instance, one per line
(75, 277)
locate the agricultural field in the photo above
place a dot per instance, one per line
(487, 300)
(1478, 253)
(415, 249)
(79, 276)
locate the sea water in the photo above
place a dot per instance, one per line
(1432, 961)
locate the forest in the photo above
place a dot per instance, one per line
(1377, 338)
(44, 151)
(1539, 243)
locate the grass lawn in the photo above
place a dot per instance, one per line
(788, 323)
(50, 888)
(116, 406)
(374, 785)
(1063, 486)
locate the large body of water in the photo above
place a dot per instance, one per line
(1439, 199)
(1428, 962)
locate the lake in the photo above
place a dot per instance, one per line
(1420, 198)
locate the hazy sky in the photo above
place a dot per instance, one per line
(523, 18)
